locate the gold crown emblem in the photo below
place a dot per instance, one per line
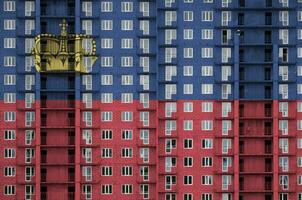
(64, 52)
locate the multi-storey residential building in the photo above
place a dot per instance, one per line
(151, 99)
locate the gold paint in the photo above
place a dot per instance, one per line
(63, 52)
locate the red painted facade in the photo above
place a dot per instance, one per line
(58, 150)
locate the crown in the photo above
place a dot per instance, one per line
(64, 52)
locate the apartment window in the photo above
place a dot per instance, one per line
(188, 70)
(207, 34)
(206, 88)
(127, 153)
(9, 171)
(29, 26)
(87, 27)
(106, 61)
(127, 134)
(207, 15)
(106, 6)
(170, 17)
(127, 80)
(9, 153)
(188, 125)
(106, 97)
(126, 43)
(9, 24)
(9, 43)
(9, 97)
(206, 180)
(226, 17)
(127, 25)
(126, 189)
(106, 134)
(107, 79)
(188, 34)
(126, 116)
(144, 8)
(106, 25)
(9, 116)
(188, 196)
(106, 171)
(299, 34)
(9, 135)
(107, 153)
(188, 52)
(188, 15)
(29, 7)
(188, 180)
(106, 189)
(87, 8)
(206, 70)
(188, 88)
(299, 15)
(208, 196)
(126, 97)
(9, 6)
(144, 136)
(9, 61)
(206, 52)
(188, 106)
(284, 17)
(206, 125)
(207, 106)
(170, 34)
(9, 190)
(106, 43)
(206, 162)
(127, 6)
(127, 61)
(106, 116)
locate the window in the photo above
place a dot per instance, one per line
(188, 88)
(127, 80)
(106, 25)
(127, 25)
(206, 180)
(188, 15)
(207, 34)
(127, 97)
(207, 15)
(29, 44)
(225, 18)
(87, 8)
(188, 34)
(87, 136)
(106, 171)
(188, 106)
(144, 136)
(106, 189)
(206, 125)
(127, 6)
(106, 134)
(126, 116)
(188, 125)
(106, 6)
(188, 180)
(207, 196)
(87, 27)
(9, 6)
(127, 61)
(206, 88)
(29, 7)
(188, 143)
(9, 135)
(206, 70)
(207, 144)
(9, 61)
(29, 26)
(107, 61)
(106, 153)
(9, 116)
(9, 24)
(126, 43)
(106, 43)
(188, 52)
(188, 196)
(9, 171)
(188, 70)
(106, 97)
(127, 134)
(9, 97)
(206, 162)
(9, 189)
(106, 116)
(127, 153)
(9, 43)
(9, 153)
(126, 189)
(207, 106)
(106, 79)
(206, 52)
